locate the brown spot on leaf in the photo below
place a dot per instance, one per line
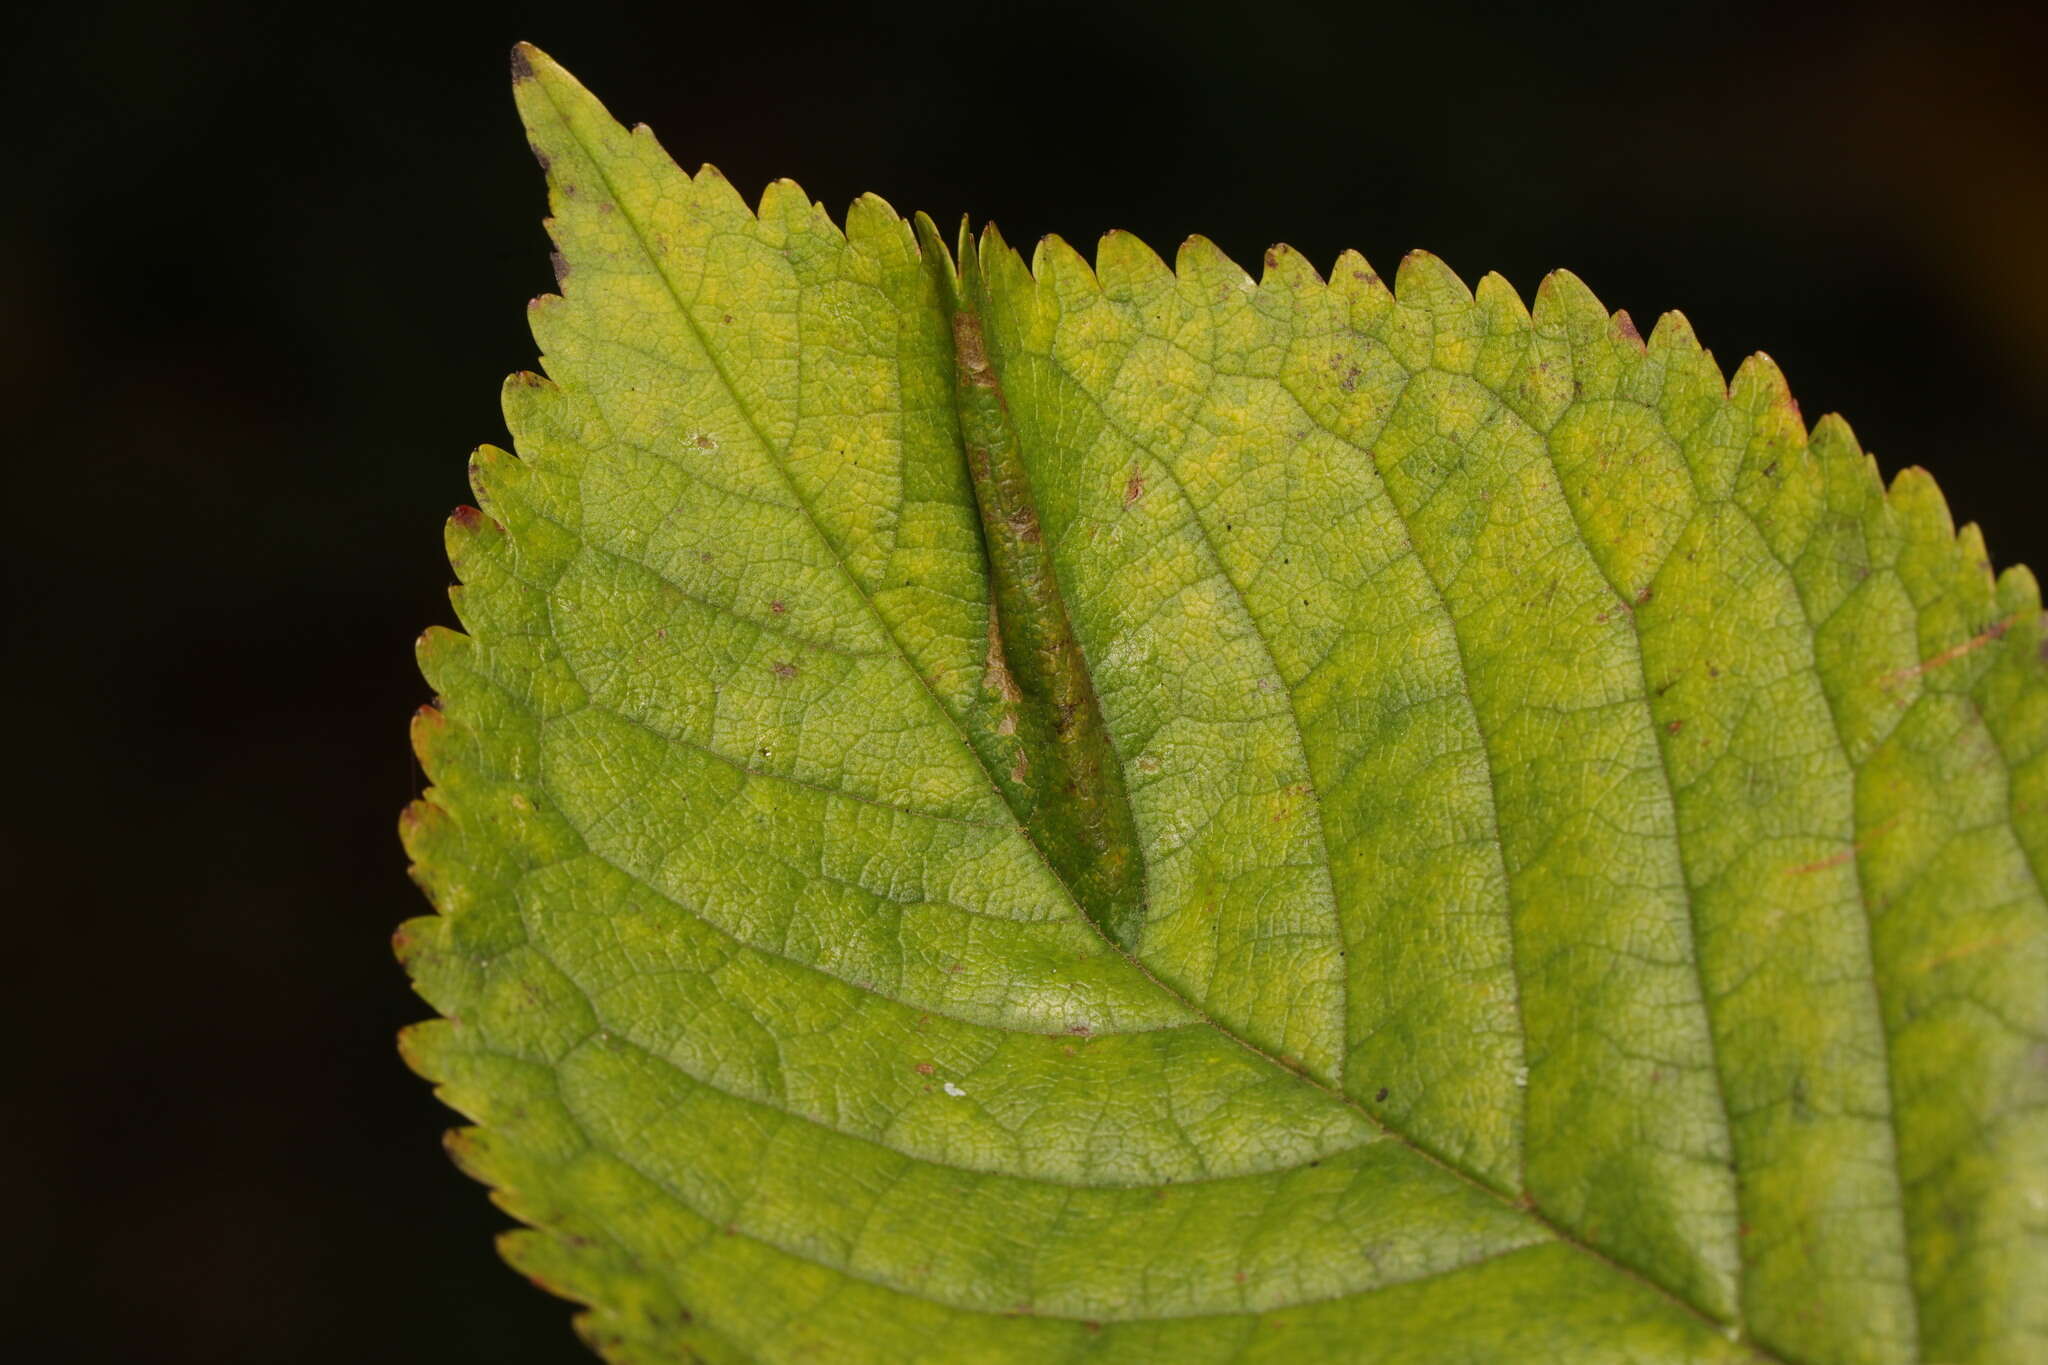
(783, 669)
(1675, 726)
(995, 675)
(924, 1068)
(1134, 487)
(777, 607)
(1380, 1095)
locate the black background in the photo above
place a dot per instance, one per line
(265, 270)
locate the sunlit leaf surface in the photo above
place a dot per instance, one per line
(1468, 838)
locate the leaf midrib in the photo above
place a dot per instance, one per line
(770, 449)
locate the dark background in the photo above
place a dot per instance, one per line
(264, 271)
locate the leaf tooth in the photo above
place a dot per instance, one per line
(474, 543)
(784, 203)
(1922, 509)
(498, 478)
(1759, 383)
(474, 1152)
(994, 255)
(873, 226)
(1832, 437)
(1625, 330)
(1126, 264)
(443, 654)
(1501, 304)
(1970, 548)
(1673, 337)
(717, 194)
(1566, 306)
(1425, 281)
(429, 724)
(410, 942)
(548, 1263)
(425, 1046)
(1353, 275)
(1289, 272)
(1200, 262)
(1055, 262)
(2020, 592)
(525, 392)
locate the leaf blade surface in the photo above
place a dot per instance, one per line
(1590, 831)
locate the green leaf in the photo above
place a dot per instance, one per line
(1007, 813)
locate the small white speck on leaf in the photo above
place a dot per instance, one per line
(955, 1091)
